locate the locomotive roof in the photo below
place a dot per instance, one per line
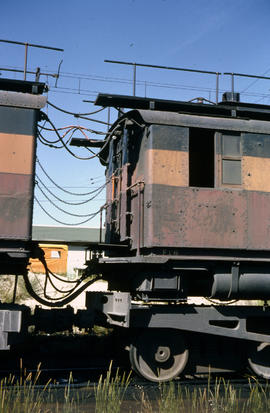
(231, 116)
(24, 86)
(227, 109)
(22, 94)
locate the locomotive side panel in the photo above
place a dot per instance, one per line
(230, 206)
(17, 140)
(205, 218)
(163, 160)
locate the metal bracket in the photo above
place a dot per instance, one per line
(235, 281)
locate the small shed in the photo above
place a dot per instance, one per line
(64, 247)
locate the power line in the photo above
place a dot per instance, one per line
(86, 92)
(255, 81)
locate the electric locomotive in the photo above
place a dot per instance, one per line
(187, 215)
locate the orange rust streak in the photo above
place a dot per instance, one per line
(16, 156)
(113, 186)
(167, 167)
(255, 173)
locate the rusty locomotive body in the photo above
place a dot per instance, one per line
(188, 206)
(187, 215)
(188, 187)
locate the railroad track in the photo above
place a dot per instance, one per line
(87, 358)
(87, 377)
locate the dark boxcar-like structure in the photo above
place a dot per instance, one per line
(20, 103)
(188, 214)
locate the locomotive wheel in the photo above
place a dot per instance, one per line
(159, 355)
(259, 359)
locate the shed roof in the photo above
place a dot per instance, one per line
(65, 235)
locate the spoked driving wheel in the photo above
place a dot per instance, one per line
(259, 359)
(159, 354)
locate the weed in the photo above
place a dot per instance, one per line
(110, 391)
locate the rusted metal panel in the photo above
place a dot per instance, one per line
(16, 155)
(197, 218)
(166, 166)
(206, 218)
(258, 220)
(257, 145)
(124, 212)
(16, 199)
(215, 218)
(18, 121)
(255, 173)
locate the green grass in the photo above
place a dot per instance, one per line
(110, 391)
(109, 395)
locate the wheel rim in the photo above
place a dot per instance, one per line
(259, 359)
(159, 355)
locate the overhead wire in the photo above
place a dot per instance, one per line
(77, 76)
(254, 81)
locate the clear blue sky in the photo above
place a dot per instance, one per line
(215, 35)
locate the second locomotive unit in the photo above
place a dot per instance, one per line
(187, 215)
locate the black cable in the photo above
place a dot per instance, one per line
(95, 120)
(47, 144)
(48, 273)
(65, 223)
(66, 147)
(70, 291)
(98, 191)
(50, 143)
(44, 262)
(61, 303)
(77, 127)
(72, 113)
(61, 209)
(58, 186)
(46, 140)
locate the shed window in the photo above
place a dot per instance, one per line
(55, 254)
